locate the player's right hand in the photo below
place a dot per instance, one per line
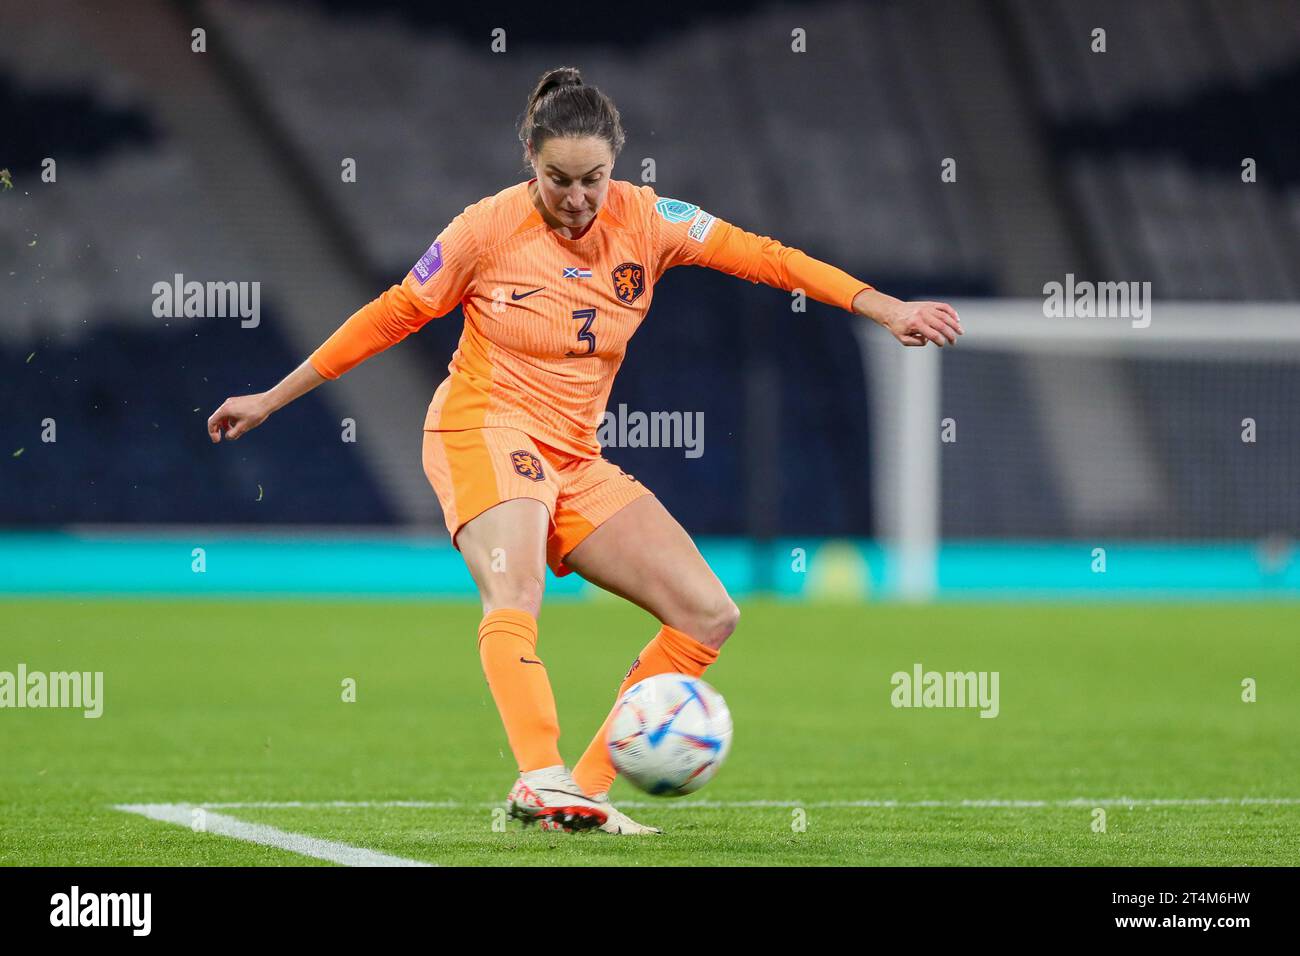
(237, 416)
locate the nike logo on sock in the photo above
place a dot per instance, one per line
(524, 660)
(516, 296)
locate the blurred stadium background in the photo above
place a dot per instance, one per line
(226, 165)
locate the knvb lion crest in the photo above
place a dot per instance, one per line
(629, 282)
(528, 465)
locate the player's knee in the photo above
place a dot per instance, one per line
(519, 592)
(718, 622)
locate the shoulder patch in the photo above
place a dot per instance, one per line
(700, 227)
(676, 210)
(429, 263)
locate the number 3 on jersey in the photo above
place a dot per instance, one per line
(585, 334)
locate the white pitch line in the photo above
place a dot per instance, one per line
(667, 804)
(344, 804)
(222, 825)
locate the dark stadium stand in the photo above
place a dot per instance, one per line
(143, 456)
(340, 79)
(72, 124)
(1154, 159)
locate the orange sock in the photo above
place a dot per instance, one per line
(507, 645)
(670, 652)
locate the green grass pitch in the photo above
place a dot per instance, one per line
(241, 702)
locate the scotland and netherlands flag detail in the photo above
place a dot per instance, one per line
(574, 272)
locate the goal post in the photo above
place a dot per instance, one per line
(1180, 426)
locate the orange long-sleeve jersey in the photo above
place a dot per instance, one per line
(548, 319)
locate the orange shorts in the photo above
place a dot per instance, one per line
(473, 469)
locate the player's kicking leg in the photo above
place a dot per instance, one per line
(642, 554)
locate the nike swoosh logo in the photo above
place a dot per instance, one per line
(524, 660)
(565, 793)
(516, 296)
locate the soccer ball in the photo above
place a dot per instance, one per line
(669, 734)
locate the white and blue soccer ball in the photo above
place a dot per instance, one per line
(669, 734)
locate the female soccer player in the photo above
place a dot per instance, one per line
(554, 275)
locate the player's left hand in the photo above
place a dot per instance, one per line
(912, 323)
(915, 323)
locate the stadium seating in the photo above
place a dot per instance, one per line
(1153, 158)
(846, 170)
(140, 455)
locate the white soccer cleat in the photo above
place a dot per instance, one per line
(619, 823)
(550, 798)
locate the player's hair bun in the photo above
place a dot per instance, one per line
(553, 80)
(562, 105)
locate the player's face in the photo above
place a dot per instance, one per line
(573, 177)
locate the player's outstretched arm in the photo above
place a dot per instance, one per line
(710, 242)
(375, 326)
(912, 323)
(243, 413)
(433, 287)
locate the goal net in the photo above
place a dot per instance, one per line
(1180, 434)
